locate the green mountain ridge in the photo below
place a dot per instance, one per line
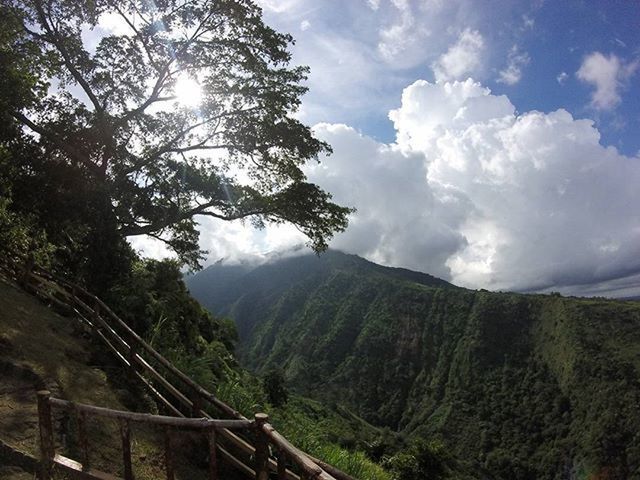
(517, 386)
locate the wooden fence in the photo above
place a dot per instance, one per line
(174, 391)
(49, 459)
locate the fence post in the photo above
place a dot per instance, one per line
(83, 441)
(262, 447)
(47, 447)
(282, 465)
(213, 457)
(125, 434)
(27, 268)
(168, 454)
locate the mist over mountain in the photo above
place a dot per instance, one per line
(517, 386)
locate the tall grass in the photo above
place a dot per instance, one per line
(244, 393)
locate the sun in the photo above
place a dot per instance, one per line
(188, 92)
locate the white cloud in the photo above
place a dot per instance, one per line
(527, 22)
(399, 42)
(562, 78)
(237, 240)
(305, 25)
(373, 4)
(516, 61)
(462, 59)
(608, 75)
(412, 34)
(278, 6)
(150, 247)
(477, 194)
(399, 215)
(113, 23)
(339, 65)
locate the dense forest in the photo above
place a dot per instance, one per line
(514, 386)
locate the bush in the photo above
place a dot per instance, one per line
(274, 387)
(422, 460)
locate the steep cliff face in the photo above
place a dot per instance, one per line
(520, 386)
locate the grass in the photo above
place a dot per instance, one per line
(308, 425)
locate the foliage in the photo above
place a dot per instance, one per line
(147, 163)
(20, 235)
(516, 386)
(333, 436)
(422, 460)
(274, 386)
(243, 391)
(154, 301)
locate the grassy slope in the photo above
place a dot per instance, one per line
(39, 348)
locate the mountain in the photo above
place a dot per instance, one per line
(221, 287)
(517, 386)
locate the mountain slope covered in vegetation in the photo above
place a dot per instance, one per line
(516, 386)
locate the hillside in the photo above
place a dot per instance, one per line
(219, 287)
(517, 386)
(42, 350)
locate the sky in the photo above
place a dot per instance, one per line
(490, 143)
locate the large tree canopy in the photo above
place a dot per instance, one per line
(111, 110)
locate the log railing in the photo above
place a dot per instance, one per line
(176, 392)
(50, 460)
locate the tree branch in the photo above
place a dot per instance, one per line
(134, 230)
(144, 43)
(163, 74)
(64, 146)
(55, 41)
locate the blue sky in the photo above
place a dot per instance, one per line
(491, 143)
(554, 37)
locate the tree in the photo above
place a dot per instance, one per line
(151, 162)
(274, 386)
(422, 460)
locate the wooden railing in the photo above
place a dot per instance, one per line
(50, 460)
(176, 392)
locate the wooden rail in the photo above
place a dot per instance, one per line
(49, 460)
(175, 391)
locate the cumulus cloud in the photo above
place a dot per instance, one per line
(608, 75)
(399, 214)
(516, 61)
(473, 192)
(462, 58)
